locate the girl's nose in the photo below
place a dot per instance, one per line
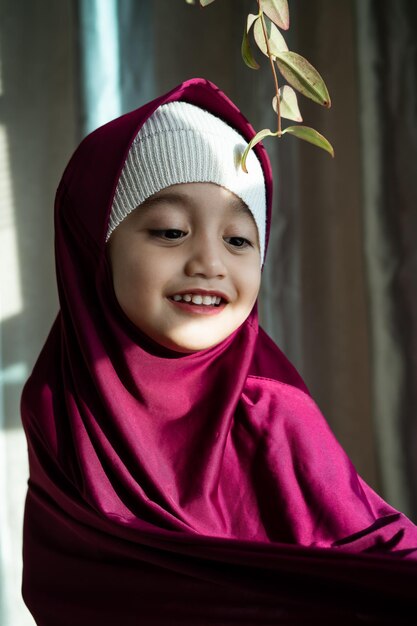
(205, 259)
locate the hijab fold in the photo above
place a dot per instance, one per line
(201, 488)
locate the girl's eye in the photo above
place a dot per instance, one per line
(238, 242)
(169, 233)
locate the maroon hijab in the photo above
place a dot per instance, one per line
(170, 488)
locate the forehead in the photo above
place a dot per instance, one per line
(190, 195)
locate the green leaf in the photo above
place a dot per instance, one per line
(288, 104)
(301, 75)
(275, 40)
(204, 3)
(277, 11)
(190, 1)
(247, 55)
(250, 20)
(258, 137)
(310, 135)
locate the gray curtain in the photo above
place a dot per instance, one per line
(339, 292)
(387, 72)
(38, 131)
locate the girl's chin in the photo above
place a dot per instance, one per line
(189, 344)
(192, 335)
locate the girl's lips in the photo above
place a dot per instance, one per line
(197, 309)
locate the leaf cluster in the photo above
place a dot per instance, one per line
(265, 27)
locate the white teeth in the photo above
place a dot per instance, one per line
(197, 299)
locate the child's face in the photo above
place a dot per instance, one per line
(189, 238)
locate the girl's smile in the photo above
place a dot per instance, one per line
(200, 302)
(186, 265)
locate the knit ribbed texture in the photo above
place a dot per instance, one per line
(181, 143)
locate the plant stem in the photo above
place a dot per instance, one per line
(272, 68)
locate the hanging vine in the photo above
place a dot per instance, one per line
(265, 26)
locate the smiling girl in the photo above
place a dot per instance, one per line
(186, 265)
(180, 472)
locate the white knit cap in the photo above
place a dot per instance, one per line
(182, 143)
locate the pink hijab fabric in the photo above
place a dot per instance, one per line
(191, 489)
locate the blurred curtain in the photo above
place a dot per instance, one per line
(387, 73)
(38, 131)
(339, 290)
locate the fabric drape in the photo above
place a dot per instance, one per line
(200, 488)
